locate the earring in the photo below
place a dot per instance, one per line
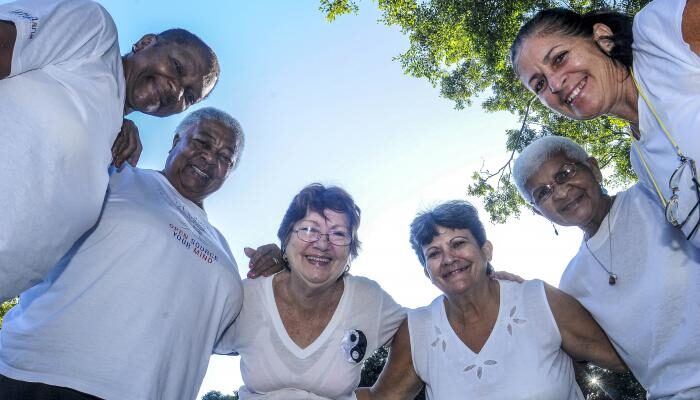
(556, 232)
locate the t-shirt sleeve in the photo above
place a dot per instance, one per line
(55, 32)
(390, 315)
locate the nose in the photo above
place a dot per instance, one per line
(560, 190)
(323, 242)
(556, 82)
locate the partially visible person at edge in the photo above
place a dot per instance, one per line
(636, 274)
(65, 90)
(137, 306)
(305, 332)
(585, 66)
(485, 338)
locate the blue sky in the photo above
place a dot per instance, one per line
(325, 102)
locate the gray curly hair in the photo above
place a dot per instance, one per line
(539, 151)
(221, 117)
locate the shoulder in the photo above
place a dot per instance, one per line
(655, 19)
(363, 285)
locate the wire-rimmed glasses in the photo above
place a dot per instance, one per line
(542, 193)
(310, 234)
(672, 208)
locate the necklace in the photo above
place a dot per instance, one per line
(612, 277)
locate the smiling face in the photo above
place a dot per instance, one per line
(200, 160)
(319, 263)
(577, 202)
(165, 78)
(454, 261)
(571, 74)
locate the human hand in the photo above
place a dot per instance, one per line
(127, 147)
(506, 276)
(265, 260)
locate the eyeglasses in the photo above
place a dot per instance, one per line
(542, 193)
(310, 234)
(672, 209)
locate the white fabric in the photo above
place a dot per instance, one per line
(61, 110)
(274, 367)
(651, 314)
(522, 358)
(669, 73)
(135, 310)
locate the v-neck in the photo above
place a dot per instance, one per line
(455, 338)
(337, 317)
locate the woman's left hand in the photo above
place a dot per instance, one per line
(265, 260)
(507, 276)
(127, 147)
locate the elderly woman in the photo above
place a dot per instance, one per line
(485, 338)
(137, 306)
(581, 66)
(65, 89)
(637, 275)
(304, 332)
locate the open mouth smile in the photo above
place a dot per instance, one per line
(318, 260)
(577, 90)
(455, 272)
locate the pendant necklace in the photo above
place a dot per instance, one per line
(612, 277)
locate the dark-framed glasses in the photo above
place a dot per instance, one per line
(673, 212)
(542, 193)
(310, 234)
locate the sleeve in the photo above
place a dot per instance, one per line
(390, 315)
(226, 344)
(53, 32)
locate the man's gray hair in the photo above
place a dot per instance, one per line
(221, 117)
(536, 153)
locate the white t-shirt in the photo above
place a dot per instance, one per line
(652, 313)
(521, 360)
(274, 367)
(135, 309)
(61, 109)
(669, 74)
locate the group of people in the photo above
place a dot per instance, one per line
(127, 288)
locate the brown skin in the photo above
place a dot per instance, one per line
(691, 25)
(200, 160)
(472, 308)
(164, 78)
(578, 202)
(8, 36)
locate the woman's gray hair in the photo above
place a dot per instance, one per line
(536, 153)
(220, 117)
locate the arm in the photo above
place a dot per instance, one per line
(8, 35)
(127, 147)
(691, 25)
(398, 379)
(581, 337)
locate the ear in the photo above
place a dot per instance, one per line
(595, 169)
(601, 35)
(487, 248)
(146, 41)
(176, 140)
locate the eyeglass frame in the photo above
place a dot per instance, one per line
(327, 235)
(556, 182)
(675, 189)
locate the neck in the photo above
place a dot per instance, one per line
(591, 228)
(126, 67)
(626, 101)
(304, 296)
(475, 304)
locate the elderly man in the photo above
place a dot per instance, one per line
(136, 307)
(65, 90)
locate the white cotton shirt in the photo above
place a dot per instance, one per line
(651, 314)
(274, 367)
(61, 109)
(669, 74)
(136, 308)
(521, 360)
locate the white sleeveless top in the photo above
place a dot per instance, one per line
(522, 358)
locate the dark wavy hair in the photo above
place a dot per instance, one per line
(567, 22)
(455, 214)
(316, 197)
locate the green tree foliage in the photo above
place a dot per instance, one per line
(216, 395)
(461, 46)
(5, 307)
